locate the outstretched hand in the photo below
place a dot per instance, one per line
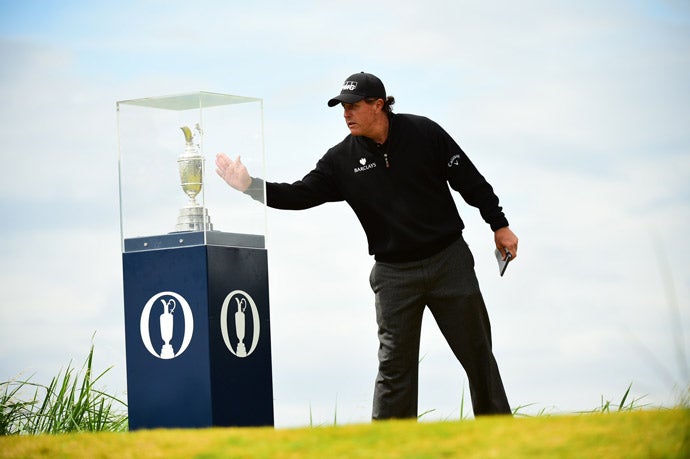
(506, 240)
(233, 172)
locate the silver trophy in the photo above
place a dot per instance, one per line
(193, 217)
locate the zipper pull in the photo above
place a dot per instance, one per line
(385, 157)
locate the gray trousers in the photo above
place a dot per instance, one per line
(447, 285)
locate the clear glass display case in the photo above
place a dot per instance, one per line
(170, 194)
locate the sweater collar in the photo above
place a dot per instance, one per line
(373, 146)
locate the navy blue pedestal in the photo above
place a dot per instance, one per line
(186, 309)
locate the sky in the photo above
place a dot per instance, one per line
(576, 112)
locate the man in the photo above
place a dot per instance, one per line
(394, 171)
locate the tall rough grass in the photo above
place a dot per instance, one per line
(626, 403)
(70, 403)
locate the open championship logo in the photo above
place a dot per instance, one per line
(164, 306)
(242, 305)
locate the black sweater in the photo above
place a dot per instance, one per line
(398, 190)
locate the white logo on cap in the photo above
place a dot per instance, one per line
(349, 86)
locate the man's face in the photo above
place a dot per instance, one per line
(361, 116)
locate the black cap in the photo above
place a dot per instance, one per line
(357, 87)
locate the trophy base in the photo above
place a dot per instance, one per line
(167, 352)
(241, 350)
(194, 218)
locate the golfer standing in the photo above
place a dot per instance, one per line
(395, 170)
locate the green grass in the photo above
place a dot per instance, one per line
(70, 403)
(90, 423)
(626, 434)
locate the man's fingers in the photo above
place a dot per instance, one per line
(506, 240)
(222, 160)
(233, 172)
(223, 164)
